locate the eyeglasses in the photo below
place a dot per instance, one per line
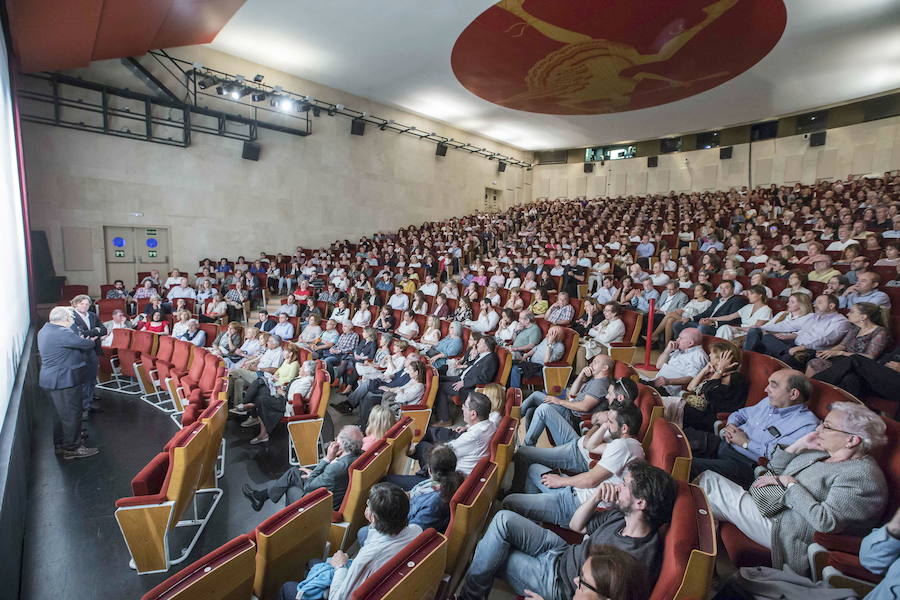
(825, 425)
(579, 583)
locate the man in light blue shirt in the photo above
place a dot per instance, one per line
(641, 302)
(781, 418)
(283, 329)
(879, 553)
(865, 290)
(645, 249)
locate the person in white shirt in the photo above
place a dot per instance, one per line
(194, 334)
(552, 497)
(450, 289)
(290, 307)
(487, 318)
(493, 295)
(408, 328)
(284, 328)
(267, 362)
(681, 360)
(429, 288)
(119, 321)
(657, 276)
(398, 300)
(755, 313)
(301, 386)
(173, 279)
(667, 263)
(607, 290)
(610, 330)
(759, 255)
(312, 331)
(844, 239)
(470, 443)
(182, 290)
(390, 532)
(251, 347)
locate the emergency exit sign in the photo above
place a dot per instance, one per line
(151, 232)
(151, 253)
(119, 253)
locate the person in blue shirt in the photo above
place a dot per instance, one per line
(429, 500)
(753, 432)
(879, 553)
(449, 346)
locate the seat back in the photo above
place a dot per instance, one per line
(213, 369)
(513, 406)
(195, 372)
(689, 549)
(226, 573)
(106, 307)
(824, 395)
(889, 460)
(142, 342)
(210, 330)
(414, 573)
(505, 366)
(320, 394)
(366, 471)
(468, 511)
(121, 338)
(623, 369)
(289, 539)
(570, 341)
(165, 348)
(503, 445)
(669, 450)
(181, 356)
(215, 416)
(187, 467)
(632, 320)
(756, 368)
(399, 437)
(651, 407)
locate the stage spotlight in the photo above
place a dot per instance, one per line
(316, 111)
(207, 82)
(303, 107)
(258, 78)
(220, 90)
(258, 96)
(285, 104)
(331, 112)
(339, 106)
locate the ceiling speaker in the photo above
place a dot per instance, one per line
(725, 153)
(817, 138)
(250, 151)
(588, 167)
(441, 150)
(357, 127)
(652, 161)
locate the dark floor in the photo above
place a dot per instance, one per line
(73, 547)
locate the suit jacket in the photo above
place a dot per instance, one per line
(266, 325)
(64, 356)
(680, 300)
(730, 306)
(333, 476)
(482, 372)
(96, 329)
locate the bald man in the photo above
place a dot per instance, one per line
(681, 360)
(753, 432)
(550, 349)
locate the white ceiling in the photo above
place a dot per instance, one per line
(398, 52)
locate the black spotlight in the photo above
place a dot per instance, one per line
(220, 90)
(258, 78)
(258, 96)
(207, 82)
(303, 107)
(316, 111)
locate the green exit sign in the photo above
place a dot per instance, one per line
(151, 232)
(120, 253)
(151, 253)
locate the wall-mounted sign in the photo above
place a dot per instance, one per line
(151, 232)
(151, 253)
(119, 253)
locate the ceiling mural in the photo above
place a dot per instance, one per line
(588, 57)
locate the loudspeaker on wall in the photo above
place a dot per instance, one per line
(588, 167)
(501, 167)
(652, 161)
(440, 150)
(357, 127)
(250, 151)
(725, 153)
(817, 138)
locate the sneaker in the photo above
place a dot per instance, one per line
(80, 452)
(249, 422)
(259, 440)
(238, 410)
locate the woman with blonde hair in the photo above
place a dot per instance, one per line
(799, 304)
(432, 334)
(381, 418)
(496, 393)
(181, 323)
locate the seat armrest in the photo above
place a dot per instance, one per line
(840, 542)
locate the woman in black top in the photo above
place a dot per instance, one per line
(591, 316)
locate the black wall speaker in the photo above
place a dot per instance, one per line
(501, 167)
(652, 161)
(817, 138)
(725, 153)
(440, 150)
(357, 127)
(251, 151)
(588, 167)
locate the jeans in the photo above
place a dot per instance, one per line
(566, 457)
(521, 552)
(540, 503)
(67, 409)
(530, 404)
(556, 419)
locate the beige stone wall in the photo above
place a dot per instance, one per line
(303, 191)
(864, 148)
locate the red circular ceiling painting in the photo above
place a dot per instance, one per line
(585, 57)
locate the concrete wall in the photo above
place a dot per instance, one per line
(303, 191)
(864, 148)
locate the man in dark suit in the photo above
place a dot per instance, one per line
(265, 323)
(64, 357)
(481, 372)
(88, 325)
(332, 473)
(727, 304)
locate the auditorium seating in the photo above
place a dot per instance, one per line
(668, 449)
(421, 413)
(163, 492)
(503, 445)
(570, 342)
(624, 350)
(289, 539)
(365, 471)
(129, 347)
(400, 437)
(226, 573)
(305, 427)
(413, 574)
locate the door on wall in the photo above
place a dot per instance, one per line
(132, 250)
(491, 200)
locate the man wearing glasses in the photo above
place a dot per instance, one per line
(754, 432)
(530, 557)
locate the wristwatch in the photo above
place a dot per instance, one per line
(745, 445)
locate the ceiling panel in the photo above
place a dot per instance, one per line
(128, 27)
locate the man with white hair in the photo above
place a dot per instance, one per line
(680, 362)
(331, 473)
(119, 321)
(64, 358)
(182, 290)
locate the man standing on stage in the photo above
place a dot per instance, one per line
(64, 362)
